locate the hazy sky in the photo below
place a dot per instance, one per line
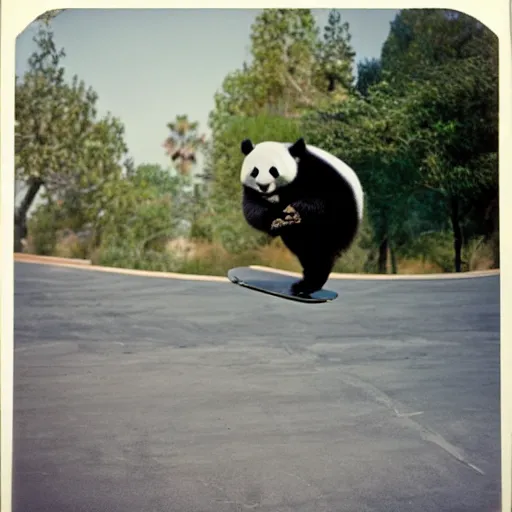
(150, 65)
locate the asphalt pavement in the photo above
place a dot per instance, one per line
(137, 394)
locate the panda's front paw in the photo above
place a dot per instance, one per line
(278, 224)
(289, 209)
(292, 215)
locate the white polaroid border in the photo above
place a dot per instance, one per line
(15, 15)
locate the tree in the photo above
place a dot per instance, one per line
(283, 49)
(60, 146)
(237, 96)
(138, 215)
(335, 58)
(450, 62)
(281, 77)
(421, 131)
(369, 73)
(455, 118)
(48, 16)
(369, 135)
(420, 39)
(183, 143)
(177, 187)
(291, 71)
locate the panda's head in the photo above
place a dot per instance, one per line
(268, 166)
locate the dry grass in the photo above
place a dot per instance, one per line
(410, 266)
(69, 246)
(276, 255)
(214, 257)
(480, 255)
(181, 248)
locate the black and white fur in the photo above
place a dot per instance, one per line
(325, 192)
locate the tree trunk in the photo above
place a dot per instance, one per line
(393, 259)
(18, 235)
(383, 255)
(457, 233)
(332, 83)
(20, 215)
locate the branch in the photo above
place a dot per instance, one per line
(47, 16)
(297, 87)
(33, 188)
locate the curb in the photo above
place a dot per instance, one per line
(18, 256)
(87, 265)
(388, 277)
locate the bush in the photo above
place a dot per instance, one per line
(69, 245)
(434, 252)
(202, 228)
(125, 257)
(355, 261)
(434, 248)
(43, 231)
(480, 254)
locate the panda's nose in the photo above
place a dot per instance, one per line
(263, 188)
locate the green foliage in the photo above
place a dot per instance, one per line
(166, 183)
(453, 109)
(368, 135)
(292, 69)
(335, 57)
(434, 246)
(369, 73)
(161, 181)
(361, 256)
(43, 226)
(60, 145)
(421, 39)
(58, 138)
(451, 84)
(76, 160)
(422, 132)
(48, 16)
(238, 96)
(282, 46)
(458, 148)
(148, 208)
(277, 81)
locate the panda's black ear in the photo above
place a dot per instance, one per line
(247, 146)
(298, 149)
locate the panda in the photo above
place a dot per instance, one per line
(308, 197)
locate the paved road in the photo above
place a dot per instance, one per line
(135, 394)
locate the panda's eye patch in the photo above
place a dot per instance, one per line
(255, 172)
(274, 172)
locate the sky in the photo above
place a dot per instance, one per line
(149, 65)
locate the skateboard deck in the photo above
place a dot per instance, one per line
(277, 284)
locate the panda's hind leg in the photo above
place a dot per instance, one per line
(316, 272)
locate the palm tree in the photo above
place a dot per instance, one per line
(183, 143)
